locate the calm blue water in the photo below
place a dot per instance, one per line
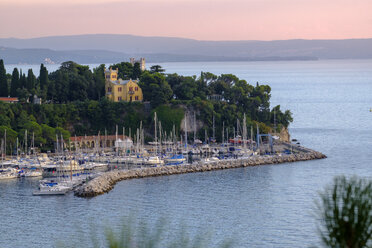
(266, 206)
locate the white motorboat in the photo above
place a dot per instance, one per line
(153, 161)
(210, 160)
(66, 168)
(8, 173)
(51, 189)
(33, 172)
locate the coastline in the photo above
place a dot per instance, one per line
(105, 182)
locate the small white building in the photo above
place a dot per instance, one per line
(123, 144)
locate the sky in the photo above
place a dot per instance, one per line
(196, 19)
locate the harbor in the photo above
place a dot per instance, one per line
(90, 166)
(105, 182)
(92, 172)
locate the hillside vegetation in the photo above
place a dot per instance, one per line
(74, 103)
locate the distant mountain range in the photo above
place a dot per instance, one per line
(109, 48)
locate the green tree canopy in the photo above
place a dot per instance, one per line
(14, 84)
(3, 80)
(345, 211)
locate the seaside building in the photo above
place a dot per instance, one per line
(108, 141)
(118, 89)
(141, 61)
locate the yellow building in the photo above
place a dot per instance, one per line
(118, 89)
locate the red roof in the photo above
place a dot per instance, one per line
(9, 99)
(101, 137)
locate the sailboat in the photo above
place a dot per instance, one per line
(154, 160)
(55, 187)
(6, 172)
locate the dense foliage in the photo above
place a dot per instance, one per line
(75, 102)
(346, 213)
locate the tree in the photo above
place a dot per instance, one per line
(23, 95)
(49, 135)
(3, 80)
(61, 86)
(14, 84)
(156, 68)
(31, 81)
(11, 136)
(187, 89)
(99, 81)
(65, 134)
(44, 81)
(33, 129)
(22, 80)
(125, 70)
(136, 71)
(51, 93)
(155, 88)
(345, 210)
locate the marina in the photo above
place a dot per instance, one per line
(78, 170)
(80, 162)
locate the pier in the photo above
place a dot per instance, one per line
(105, 182)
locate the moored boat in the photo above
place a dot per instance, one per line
(176, 159)
(51, 188)
(8, 173)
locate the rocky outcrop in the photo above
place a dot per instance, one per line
(106, 181)
(284, 135)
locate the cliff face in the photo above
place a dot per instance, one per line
(284, 135)
(191, 123)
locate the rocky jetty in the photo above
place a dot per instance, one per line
(105, 182)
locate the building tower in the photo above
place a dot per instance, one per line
(141, 61)
(111, 75)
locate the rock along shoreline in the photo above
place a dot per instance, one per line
(105, 182)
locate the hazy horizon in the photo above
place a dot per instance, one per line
(175, 37)
(211, 20)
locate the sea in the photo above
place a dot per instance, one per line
(263, 206)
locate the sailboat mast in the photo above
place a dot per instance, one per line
(156, 138)
(223, 132)
(274, 121)
(33, 143)
(213, 128)
(26, 142)
(17, 148)
(194, 127)
(251, 137)
(5, 143)
(244, 132)
(160, 137)
(227, 134)
(186, 131)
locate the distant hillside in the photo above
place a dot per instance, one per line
(160, 49)
(37, 56)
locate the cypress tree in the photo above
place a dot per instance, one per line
(14, 85)
(31, 80)
(3, 80)
(136, 71)
(22, 80)
(43, 79)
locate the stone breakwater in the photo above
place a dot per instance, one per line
(105, 182)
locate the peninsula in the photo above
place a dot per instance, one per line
(137, 122)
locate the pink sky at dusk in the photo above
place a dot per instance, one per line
(197, 19)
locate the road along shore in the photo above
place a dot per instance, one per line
(105, 182)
